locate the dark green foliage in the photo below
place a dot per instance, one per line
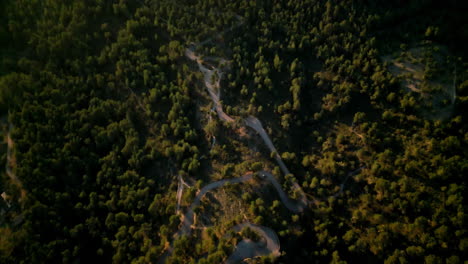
(104, 107)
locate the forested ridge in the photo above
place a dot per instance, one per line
(110, 133)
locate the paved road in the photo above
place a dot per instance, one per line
(212, 84)
(213, 87)
(246, 248)
(256, 125)
(292, 205)
(188, 218)
(243, 249)
(187, 221)
(250, 249)
(180, 190)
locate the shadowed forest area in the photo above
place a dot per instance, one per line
(216, 131)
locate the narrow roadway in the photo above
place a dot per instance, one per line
(250, 249)
(246, 248)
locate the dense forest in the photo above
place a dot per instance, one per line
(117, 148)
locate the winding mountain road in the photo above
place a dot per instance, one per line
(212, 84)
(256, 125)
(272, 245)
(246, 248)
(188, 218)
(250, 249)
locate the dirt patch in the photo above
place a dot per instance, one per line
(426, 71)
(242, 131)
